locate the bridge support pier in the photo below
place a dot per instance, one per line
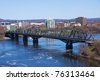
(69, 47)
(12, 36)
(90, 43)
(16, 38)
(25, 40)
(35, 42)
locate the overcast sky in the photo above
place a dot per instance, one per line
(40, 9)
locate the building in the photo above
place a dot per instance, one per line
(81, 20)
(50, 23)
(36, 24)
(23, 24)
(5, 24)
(66, 24)
(2, 31)
(59, 24)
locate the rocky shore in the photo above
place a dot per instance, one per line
(4, 38)
(96, 58)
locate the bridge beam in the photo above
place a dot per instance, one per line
(25, 40)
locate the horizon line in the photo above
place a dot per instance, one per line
(48, 18)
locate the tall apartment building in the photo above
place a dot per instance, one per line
(50, 23)
(81, 20)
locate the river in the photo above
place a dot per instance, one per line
(49, 53)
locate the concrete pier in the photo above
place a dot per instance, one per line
(16, 38)
(25, 40)
(69, 47)
(35, 41)
(12, 36)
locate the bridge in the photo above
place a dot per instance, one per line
(67, 35)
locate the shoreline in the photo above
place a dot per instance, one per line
(82, 56)
(89, 57)
(4, 38)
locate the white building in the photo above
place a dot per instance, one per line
(77, 24)
(5, 24)
(66, 24)
(50, 23)
(37, 24)
(23, 24)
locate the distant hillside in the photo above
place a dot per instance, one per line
(73, 20)
(94, 20)
(43, 20)
(33, 20)
(89, 20)
(12, 21)
(1, 19)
